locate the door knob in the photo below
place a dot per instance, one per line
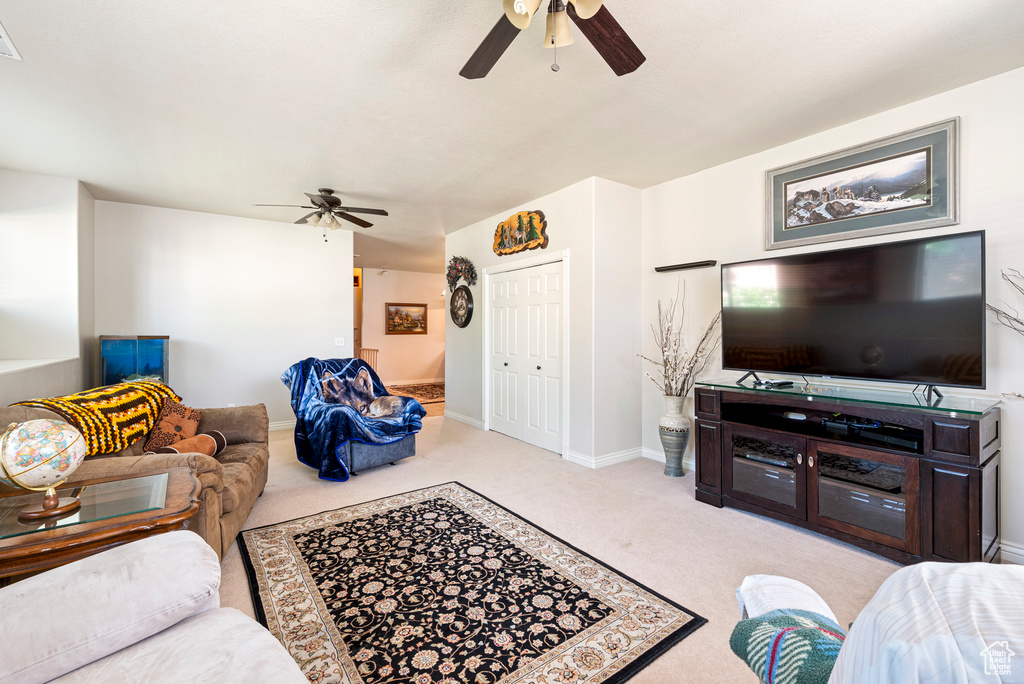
(799, 459)
(538, 367)
(506, 363)
(810, 461)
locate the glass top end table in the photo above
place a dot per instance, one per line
(100, 501)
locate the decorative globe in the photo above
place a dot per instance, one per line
(40, 454)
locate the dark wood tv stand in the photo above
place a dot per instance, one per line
(908, 482)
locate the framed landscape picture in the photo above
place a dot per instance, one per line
(904, 182)
(405, 319)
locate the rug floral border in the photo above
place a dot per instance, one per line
(650, 623)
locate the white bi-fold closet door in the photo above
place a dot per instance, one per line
(526, 354)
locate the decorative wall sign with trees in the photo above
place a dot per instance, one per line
(520, 232)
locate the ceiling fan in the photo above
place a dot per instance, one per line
(327, 209)
(590, 16)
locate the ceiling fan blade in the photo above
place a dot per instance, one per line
(354, 219)
(493, 47)
(304, 218)
(610, 40)
(358, 210)
(315, 199)
(297, 206)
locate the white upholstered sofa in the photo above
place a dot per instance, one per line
(147, 611)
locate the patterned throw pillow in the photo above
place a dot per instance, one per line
(176, 422)
(788, 646)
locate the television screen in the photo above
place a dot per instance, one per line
(910, 311)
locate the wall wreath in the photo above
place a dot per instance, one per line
(460, 267)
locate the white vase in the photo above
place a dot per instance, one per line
(674, 430)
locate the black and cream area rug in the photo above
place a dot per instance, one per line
(428, 393)
(442, 586)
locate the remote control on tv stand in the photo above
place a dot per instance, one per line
(777, 384)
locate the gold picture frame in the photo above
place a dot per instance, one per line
(405, 319)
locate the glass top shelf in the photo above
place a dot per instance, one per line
(99, 502)
(841, 394)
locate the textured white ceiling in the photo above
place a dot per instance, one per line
(216, 106)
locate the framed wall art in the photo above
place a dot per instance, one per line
(903, 182)
(405, 319)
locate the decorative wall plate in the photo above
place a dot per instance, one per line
(461, 306)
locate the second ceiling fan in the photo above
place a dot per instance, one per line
(591, 17)
(327, 209)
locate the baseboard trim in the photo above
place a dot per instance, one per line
(458, 417)
(282, 425)
(652, 454)
(1011, 554)
(578, 458)
(595, 462)
(659, 456)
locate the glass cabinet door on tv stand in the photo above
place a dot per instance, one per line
(863, 492)
(766, 469)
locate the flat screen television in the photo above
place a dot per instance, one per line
(910, 311)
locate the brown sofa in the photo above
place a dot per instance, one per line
(232, 480)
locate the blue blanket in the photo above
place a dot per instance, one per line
(337, 400)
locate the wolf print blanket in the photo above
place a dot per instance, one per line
(337, 400)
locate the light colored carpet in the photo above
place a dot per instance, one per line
(643, 524)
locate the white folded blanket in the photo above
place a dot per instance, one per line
(941, 623)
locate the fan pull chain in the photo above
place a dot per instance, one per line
(554, 51)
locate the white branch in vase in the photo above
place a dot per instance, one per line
(679, 368)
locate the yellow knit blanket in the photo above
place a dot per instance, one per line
(110, 418)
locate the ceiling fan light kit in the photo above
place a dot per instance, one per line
(557, 33)
(519, 12)
(586, 8)
(591, 17)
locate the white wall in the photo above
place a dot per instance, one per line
(46, 286)
(42, 378)
(570, 217)
(241, 299)
(38, 266)
(88, 344)
(719, 214)
(602, 337)
(405, 359)
(617, 319)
